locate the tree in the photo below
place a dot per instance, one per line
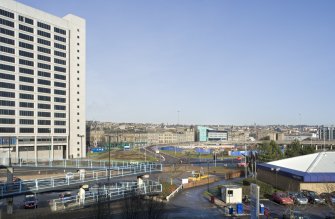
(269, 151)
(294, 149)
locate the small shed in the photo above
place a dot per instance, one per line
(231, 194)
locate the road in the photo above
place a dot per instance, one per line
(191, 203)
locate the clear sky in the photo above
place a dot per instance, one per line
(214, 61)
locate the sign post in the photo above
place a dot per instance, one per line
(254, 201)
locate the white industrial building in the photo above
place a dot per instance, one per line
(314, 172)
(42, 84)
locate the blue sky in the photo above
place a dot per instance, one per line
(217, 62)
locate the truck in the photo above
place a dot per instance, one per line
(197, 176)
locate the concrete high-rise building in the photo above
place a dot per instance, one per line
(42, 83)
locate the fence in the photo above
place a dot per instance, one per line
(46, 184)
(107, 193)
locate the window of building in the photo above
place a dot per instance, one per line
(6, 13)
(44, 90)
(26, 62)
(26, 130)
(44, 50)
(7, 130)
(44, 98)
(44, 42)
(44, 58)
(26, 45)
(25, 28)
(45, 66)
(26, 96)
(7, 94)
(26, 79)
(26, 37)
(43, 33)
(6, 31)
(26, 113)
(7, 112)
(44, 74)
(7, 121)
(26, 87)
(26, 122)
(7, 103)
(6, 22)
(43, 25)
(7, 49)
(26, 105)
(7, 41)
(26, 71)
(44, 114)
(7, 76)
(7, 67)
(26, 54)
(44, 82)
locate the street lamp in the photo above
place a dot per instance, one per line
(208, 176)
(276, 171)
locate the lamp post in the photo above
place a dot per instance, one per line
(276, 171)
(208, 176)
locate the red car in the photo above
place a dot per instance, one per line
(282, 198)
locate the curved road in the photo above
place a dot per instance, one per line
(190, 203)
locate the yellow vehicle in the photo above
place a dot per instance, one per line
(196, 176)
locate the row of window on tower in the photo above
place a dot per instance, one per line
(31, 130)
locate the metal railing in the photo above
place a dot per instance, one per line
(73, 163)
(107, 193)
(50, 183)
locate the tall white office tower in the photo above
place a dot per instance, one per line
(42, 84)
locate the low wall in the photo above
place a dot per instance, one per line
(200, 182)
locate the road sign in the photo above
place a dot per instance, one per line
(254, 201)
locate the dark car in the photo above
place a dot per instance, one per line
(313, 197)
(329, 197)
(30, 201)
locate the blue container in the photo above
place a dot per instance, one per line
(261, 208)
(231, 210)
(239, 208)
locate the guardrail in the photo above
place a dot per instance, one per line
(74, 163)
(45, 184)
(174, 192)
(115, 192)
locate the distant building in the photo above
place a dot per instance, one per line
(208, 134)
(213, 135)
(327, 133)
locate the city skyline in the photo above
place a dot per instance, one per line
(217, 62)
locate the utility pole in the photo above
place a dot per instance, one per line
(81, 145)
(245, 161)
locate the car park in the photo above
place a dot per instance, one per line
(30, 201)
(282, 198)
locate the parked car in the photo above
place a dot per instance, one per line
(30, 201)
(282, 198)
(313, 197)
(298, 198)
(329, 197)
